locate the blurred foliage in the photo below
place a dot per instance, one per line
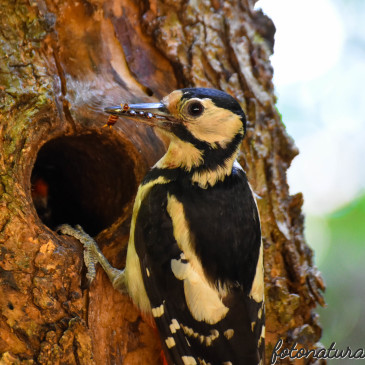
(342, 262)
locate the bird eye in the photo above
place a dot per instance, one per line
(195, 109)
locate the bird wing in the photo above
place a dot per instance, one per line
(199, 300)
(156, 247)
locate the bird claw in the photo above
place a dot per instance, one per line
(93, 255)
(90, 247)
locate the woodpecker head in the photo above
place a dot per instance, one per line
(206, 115)
(207, 123)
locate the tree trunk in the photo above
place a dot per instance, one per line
(62, 62)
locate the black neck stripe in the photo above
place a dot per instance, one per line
(212, 159)
(215, 157)
(168, 174)
(185, 135)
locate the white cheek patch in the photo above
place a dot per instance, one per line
(216, 124)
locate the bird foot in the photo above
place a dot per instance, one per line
(93, 255)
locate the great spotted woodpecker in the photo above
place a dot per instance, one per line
(195, 256)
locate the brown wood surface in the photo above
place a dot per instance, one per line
(61, 63)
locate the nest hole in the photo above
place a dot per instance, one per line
(85, 179)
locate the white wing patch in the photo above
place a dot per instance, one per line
(170, 342)
(259, 314)
(229, 334)
(207, 340)
(188, 360)
(213, 336)
(203, 299)
(174, 326)
(257, 290)
(158, 311)
(262, 336)
(134, 280)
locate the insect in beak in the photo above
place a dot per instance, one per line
(153, 114)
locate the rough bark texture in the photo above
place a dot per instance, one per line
(61, 62)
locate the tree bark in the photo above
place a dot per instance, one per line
(62, 62)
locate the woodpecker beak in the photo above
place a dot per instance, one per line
(153, 114)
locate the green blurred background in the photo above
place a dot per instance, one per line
(342, 264)
(319, 66)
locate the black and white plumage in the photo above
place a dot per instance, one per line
(195, 257)
(195, 244)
